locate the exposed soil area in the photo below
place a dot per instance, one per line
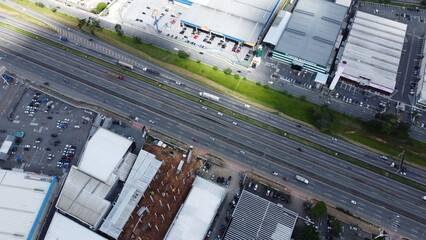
(164, 196)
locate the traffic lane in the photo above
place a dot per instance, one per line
(160, 106)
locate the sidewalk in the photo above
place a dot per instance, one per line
(352, 220)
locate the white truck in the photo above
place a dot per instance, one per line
(209, 96)
(302, 179)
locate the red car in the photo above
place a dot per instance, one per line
(285, 178)
(195, 36)
(195, 140)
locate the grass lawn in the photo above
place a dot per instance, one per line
(248, 91)
(4, 9)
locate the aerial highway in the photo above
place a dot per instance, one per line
(190, 120)
(110, 54)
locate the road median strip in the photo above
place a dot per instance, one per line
(217, 107)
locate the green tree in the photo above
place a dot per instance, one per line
(100, 7)
(137, 40)
(54, 9)
(335, 228)
(310, 233)
(319, 210)
(236, 76)
(118, 29)
(198, 61)
(81, 23)
(321, 117)
(227, 71)
(215, 68)
(183, 54)
(423, 2)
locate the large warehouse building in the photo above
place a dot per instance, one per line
(105, 160)
(242, 21)
(257, 218)
(372, 51)
(24, 203)
(197, 213)
(421, 87)
(312, 35)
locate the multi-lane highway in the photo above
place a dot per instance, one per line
(378, 198)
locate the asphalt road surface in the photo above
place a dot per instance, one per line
(189, 120)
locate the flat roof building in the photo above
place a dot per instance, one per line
(242, 21)
(105, 160)
(63, 228)
(373, 50)
(197, 212)
(5, 147)
(141, 175)
(257, 218)
(421, 88)
(311, 36)
(23, 203)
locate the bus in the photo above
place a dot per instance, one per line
(124, 64)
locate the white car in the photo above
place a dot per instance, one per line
(334, 139)
(235, 123)
(151, 121)
(275, 173)
(219, 113)
(246, 105)
(353, 202)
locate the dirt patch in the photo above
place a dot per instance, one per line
(163, 198)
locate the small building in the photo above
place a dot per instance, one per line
(312, 35)
(197, 212)
(25, 200)
(276, 30)
(6, 146)
(421, 86)
(257, 218)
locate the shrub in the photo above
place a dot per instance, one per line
(215, 68)
(137, 40)
(54, 9)
(198, 61)
(236, 76)
(100, 7)
(227, 71)
(40, 4)
(183, 54)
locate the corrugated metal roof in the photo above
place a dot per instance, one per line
(373, 50)
(82, 197)
(103, 154)
(142, 173)
(257, 218)
(21, 201)
(197, 213)
(312, 30)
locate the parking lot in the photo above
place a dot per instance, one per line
(164, 18)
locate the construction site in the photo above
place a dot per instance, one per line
(164, 196)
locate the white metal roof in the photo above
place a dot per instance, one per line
(103, 153)
(141, 175)
(83, 197)
(243, 20)
(421, 88)
(373, 51)
(277, 28)
(197, 213)
(23, 199)
(345, 3)
(63, 228)
(7, 144)
(257, 218)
